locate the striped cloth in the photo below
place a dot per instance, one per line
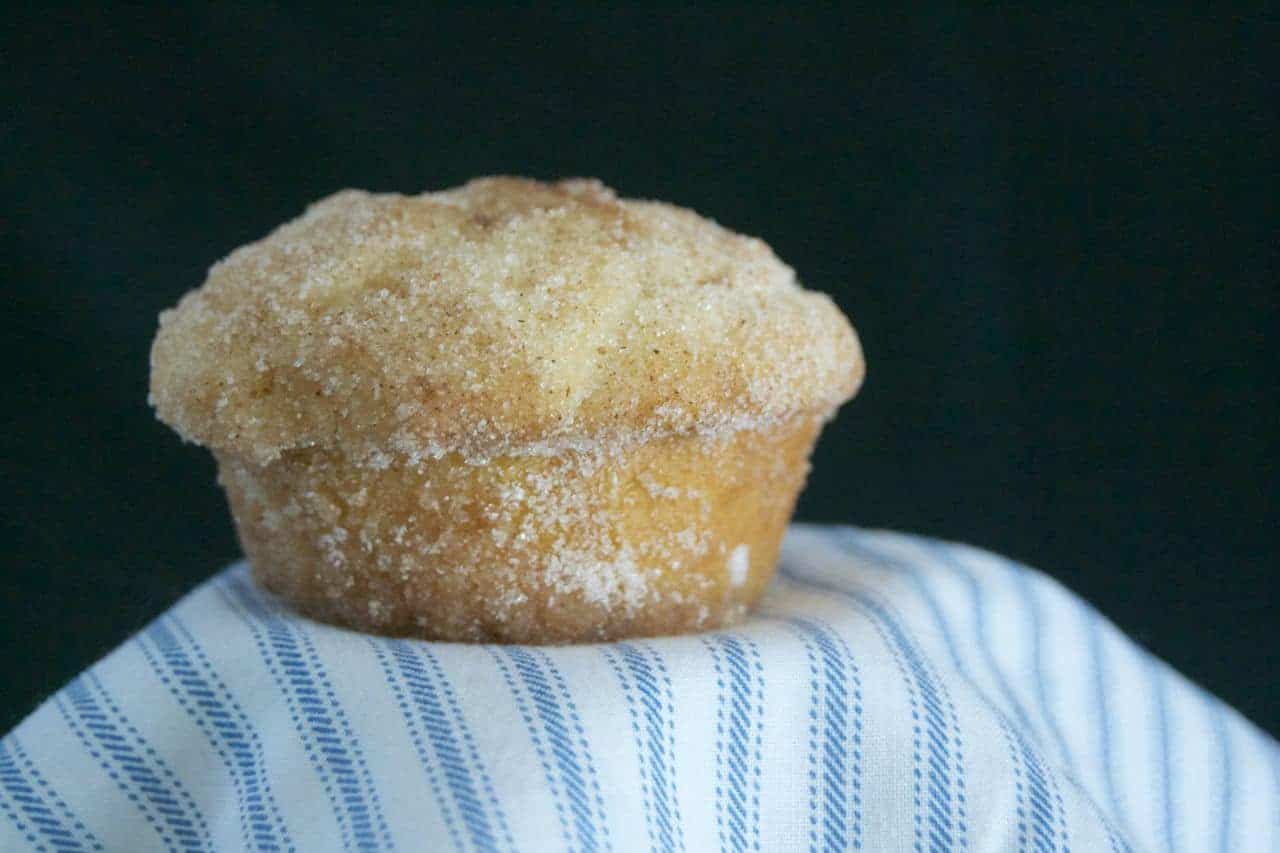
(892, 693)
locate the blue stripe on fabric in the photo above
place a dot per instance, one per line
(418, 740)
(835, 731)
(16, 818)
(739, 736)
(182, 666)
(1019, 781)
(1228, 777)
(669, 696)
(931, 685)
(452, 746)
(1063, 831)
(1021, 575)
(886, 562)
(446, 745)
(917, 774)
(533, 729)
(318, 717)
(1166, 768)
(35, 799)
(567, 699)
(469, 743)
(641, 740)
(1022, 579)
(946, 558)
(816, 798)
(1098, 665)
(1269, 748)
(135, 767)
(1117, 844)
(569, 775)
(1046, 811)
(640, 670)
(936, 829)
(1042, 812)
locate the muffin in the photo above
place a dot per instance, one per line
(512, 411)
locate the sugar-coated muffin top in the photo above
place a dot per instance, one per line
(505, 316)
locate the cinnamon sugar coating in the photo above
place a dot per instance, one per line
(673, 535)
(510, 411)
(503, 314)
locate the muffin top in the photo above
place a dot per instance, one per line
(506, 316)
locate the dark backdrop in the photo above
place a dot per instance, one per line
(1055, 233)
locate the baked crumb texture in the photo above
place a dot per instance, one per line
(676, 534)
(509, 411)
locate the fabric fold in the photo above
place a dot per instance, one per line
(892, 693)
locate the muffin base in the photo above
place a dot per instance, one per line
(665, 536)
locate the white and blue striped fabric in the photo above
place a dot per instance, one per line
(892, 693)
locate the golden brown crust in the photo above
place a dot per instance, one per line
(505, 316)
(676, 534)
(511, 411)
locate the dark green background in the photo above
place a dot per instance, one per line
(1055, 233)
